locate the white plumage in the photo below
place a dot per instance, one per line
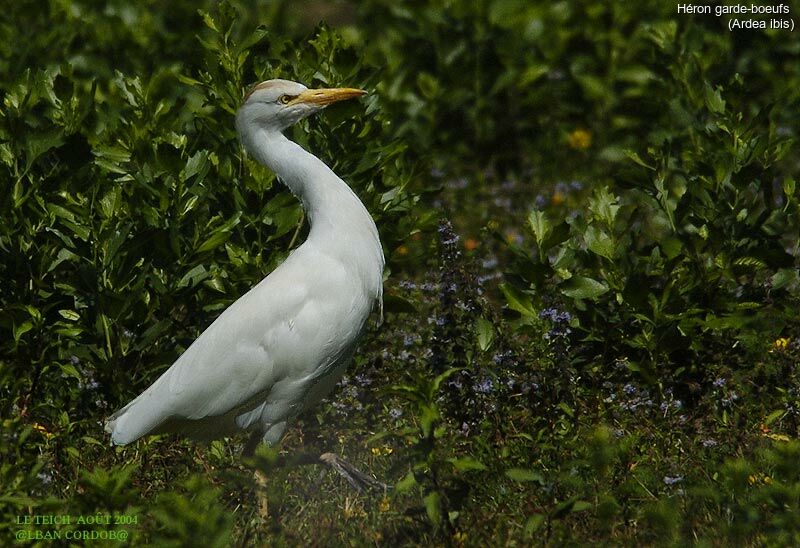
(283, 345)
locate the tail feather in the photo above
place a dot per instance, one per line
(138, 418)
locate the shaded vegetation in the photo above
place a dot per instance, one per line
(590, 216)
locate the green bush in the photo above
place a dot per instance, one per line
(694, 249)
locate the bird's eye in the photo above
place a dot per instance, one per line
(284, 99)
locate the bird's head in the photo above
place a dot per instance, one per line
(280, 103)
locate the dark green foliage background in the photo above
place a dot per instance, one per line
(602, 347)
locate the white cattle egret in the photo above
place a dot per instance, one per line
(282, 346)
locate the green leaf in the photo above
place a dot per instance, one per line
(112, 158)
(604, 206)
(580, 287)
(70, 315)
(540, 225)
(194, 276)
(517, 300)
(524, 475)
(21, 329)
(466, 464)
(197, 164)
(111, 202)
(433, 507)
(671, 246)
(775, 415)
(599, 242)
(428, 417)
(485, 331)
(634, 156)
(534, 523)
(789, 186)
(566, 409)
(563, 509)
(784, 277)
(216, 239)
(714, 100)
(406, 484)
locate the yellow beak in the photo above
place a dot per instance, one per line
(327, 96)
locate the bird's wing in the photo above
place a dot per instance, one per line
(228, 366)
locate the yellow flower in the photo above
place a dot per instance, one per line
(513, 237)
(384, 505)
(382, 451)
(580, 139)
(781, 344)
(42, 430)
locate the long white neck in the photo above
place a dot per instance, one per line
(340, 224)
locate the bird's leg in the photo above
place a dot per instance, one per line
(250, 447)
(357, 479)
(261, 479)
(263, 499)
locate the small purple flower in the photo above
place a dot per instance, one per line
(629, 389)
(719, 382)
(540, 201)
(45, 477)
(709, 443)
(503, 203)
(456, 383)
(576, 185)
(549, 314)
(457, 184)
(489, 263)
(672, 480)
(407, 284)
(452, 240)
(363, 379)
(483, 279)
(395, 413)
(484, 387)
